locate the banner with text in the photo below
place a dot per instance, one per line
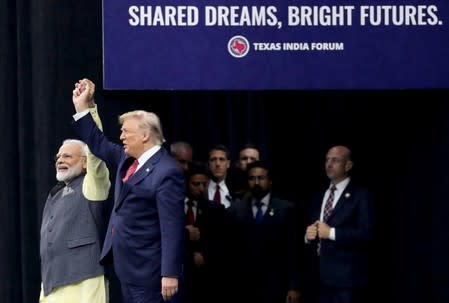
(275, 45)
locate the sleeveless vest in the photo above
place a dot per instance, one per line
(72, 232)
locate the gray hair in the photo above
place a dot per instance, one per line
(178, 146)
(78, 142)
(146, 121)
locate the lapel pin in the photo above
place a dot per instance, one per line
(147, 170)
(67, 191)
(271, 213)
(347, 195)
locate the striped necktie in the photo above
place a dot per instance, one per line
(328, 207)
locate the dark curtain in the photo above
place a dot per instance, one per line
(400, 146)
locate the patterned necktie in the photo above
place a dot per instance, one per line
(328, 207)
(190, 214)
(217, 196)
(259, 213)
(131, 170)
(327, 212)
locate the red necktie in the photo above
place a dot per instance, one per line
(190, 215)
(217, 196)
(131, 170)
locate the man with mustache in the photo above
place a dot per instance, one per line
(266, 248)
(73, 227)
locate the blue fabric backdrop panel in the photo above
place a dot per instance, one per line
(268, 44)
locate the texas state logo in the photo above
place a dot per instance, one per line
(238, 46)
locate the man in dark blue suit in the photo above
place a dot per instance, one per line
(146, 228)
(339, 234)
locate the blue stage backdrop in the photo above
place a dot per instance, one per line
(275, 45)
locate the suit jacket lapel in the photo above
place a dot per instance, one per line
(120, 189)
(141, 174)
(316, 207)
(137, 177)
(346, 194)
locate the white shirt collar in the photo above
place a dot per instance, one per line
(147, 155)
(265, 200)
(342, 184)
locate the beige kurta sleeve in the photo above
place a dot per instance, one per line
(96, 183)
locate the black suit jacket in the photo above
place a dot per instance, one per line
(201, 280)
(209, 217)
(265, 254)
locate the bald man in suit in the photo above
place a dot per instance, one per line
(338, 235)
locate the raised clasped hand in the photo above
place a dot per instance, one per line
(83, 95)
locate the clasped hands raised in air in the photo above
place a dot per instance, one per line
(83, 95)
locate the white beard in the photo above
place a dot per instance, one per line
(71, 173)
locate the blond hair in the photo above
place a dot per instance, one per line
(147, 121)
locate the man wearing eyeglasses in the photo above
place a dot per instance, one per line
(266, 228)
(73, 226)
